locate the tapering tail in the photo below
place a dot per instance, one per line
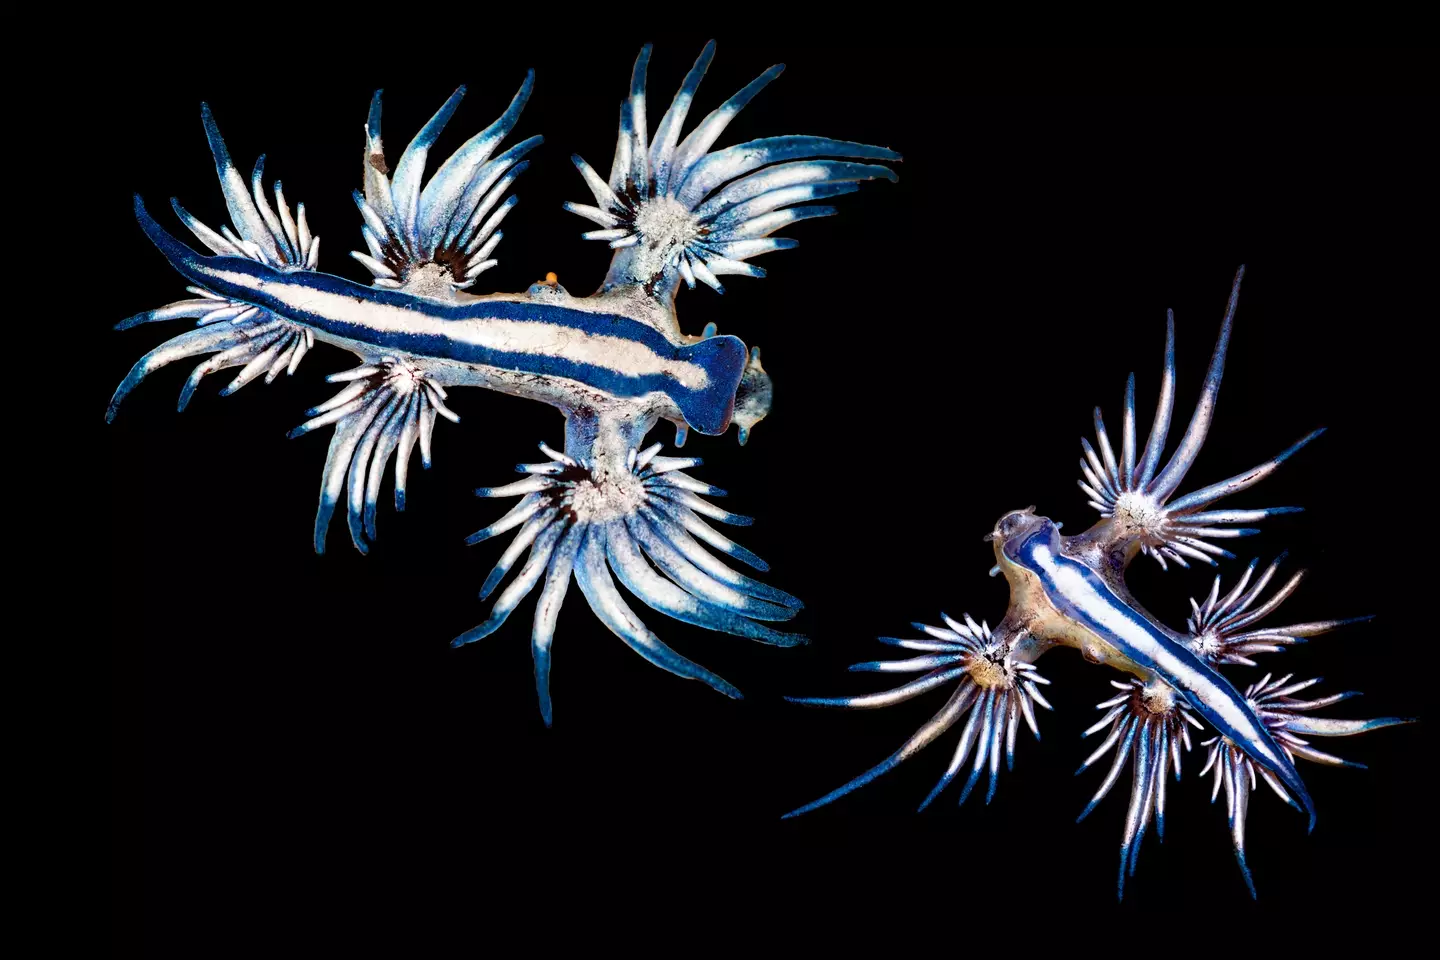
(232, 325)
(231, 277)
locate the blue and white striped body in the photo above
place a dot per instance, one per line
(569, 354)
(1071, 604)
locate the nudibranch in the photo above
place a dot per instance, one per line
(614, 363)
(1070, 591)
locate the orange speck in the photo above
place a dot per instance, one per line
(551, 278)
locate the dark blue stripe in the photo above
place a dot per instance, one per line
(1048, 537)
(1045, 537)
(606, 324)
(708, 410)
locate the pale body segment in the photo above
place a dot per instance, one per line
(1071, 592)
(1069, 603)
(615, 363)
(552, 347)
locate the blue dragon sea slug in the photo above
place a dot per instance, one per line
(1071, 591)
(614, 363)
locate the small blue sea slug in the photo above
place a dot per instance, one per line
(614, 363)
(1071, 592)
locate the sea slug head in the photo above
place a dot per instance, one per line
(752, 397)
(1013, 525)
(1017, 529)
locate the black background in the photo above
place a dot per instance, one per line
(300, 754)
